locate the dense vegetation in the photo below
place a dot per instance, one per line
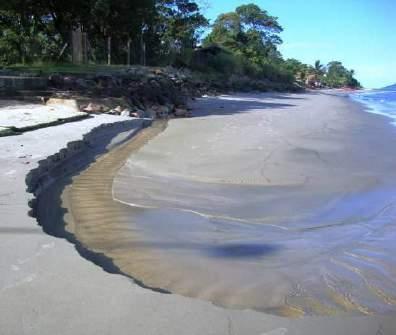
(333, 75)
(157, 32)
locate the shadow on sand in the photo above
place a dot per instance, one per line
(49, 211)
(243, 103)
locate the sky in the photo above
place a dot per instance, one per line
(360, 33)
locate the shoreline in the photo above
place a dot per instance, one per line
(110, 298)
(115, 235)
(61, 219)
(157, 166)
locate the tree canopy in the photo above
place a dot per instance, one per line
(249, 31)
(155, 32)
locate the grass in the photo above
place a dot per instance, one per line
(47, 68)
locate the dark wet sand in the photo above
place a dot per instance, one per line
(280, 203)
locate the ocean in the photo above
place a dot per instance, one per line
(379, 101)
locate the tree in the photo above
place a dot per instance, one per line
(338, 76)
(119, 23)
(22, 37)
(249, 31)
(255, 19)
(156, 32)
(173, 30)
(319, 68)
(227, 32)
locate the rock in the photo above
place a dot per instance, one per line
(125, 112)
(69, 83)
(158, 72)
(93, 108)
(56, 81)
(140, 113)
(171, 107)
(65, 102)
(118, 109)
(162, 111)
(182, 112)
(85, 83)
(44, 100)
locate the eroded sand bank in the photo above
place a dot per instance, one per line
(281, 203)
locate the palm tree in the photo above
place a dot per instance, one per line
(319, 68)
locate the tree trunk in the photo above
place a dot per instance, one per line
(62, 51)
(77, 46)
(143, 46)
(129, 52)
(109, 50)
(85, 48)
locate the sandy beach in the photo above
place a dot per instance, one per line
(271, 179)
(273, 207)
(295, 190)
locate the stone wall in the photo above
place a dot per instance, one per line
(13, 84)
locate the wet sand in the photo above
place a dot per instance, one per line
(279, 203)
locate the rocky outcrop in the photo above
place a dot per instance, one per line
(151, 92)
(140, 91)
(9, 84)
(136, 91)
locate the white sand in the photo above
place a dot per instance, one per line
(17, 115)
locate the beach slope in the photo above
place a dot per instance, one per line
(46, 287)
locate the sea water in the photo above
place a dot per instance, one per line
(379, 101)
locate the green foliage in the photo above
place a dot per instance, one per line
(175, 31)
(334, 75)
(163, 26)
(158, 32)
(22, 40)
(249, 31)
(254, 19)
(64, 68)
(250, 36)
(338, 76)
(226, 32)
(219, 60)
(319, 68)
(299, 70)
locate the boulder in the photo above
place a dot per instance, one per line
(141, 113)
(116, 111)
(72, 103)
(56, 80)
(162, 111)
(84, 83)
(182, 112)
(125, 112)
(93, 108)
(69, 83)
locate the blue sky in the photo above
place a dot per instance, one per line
(360, 33)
